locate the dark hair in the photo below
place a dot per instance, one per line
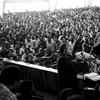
(9, 74)
(62, 48)
(27, 49)
(76, 97)
(65, 93)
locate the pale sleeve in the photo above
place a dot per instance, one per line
(26, 44)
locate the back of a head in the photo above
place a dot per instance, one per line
(9, 74)
(62, 48)
(65, 93)
(66, 48)
(76, 97)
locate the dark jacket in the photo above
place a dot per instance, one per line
(67, 72)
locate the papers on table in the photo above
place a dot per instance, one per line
(82, 54)
(92, 76)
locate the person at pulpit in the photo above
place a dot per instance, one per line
(67, 69)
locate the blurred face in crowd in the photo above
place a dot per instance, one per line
(71, 37)
(63, 39)
(28, 39)
(49, 39)
(41, 38)
(5, 46)
(55, 39)
(27, 51)
(48, 52)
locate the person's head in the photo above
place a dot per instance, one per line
(65, 93)
(80, 37)
(6, 45)
(62, 48)
(10, 76)
(63, 39)
(28, 38)
(71, 37)
(75, 97)
(48, 52)
(27, 50)
(41, 51)
(28, 59)
(66, 49)
(41, 38)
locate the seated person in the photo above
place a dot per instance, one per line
(9, 82)
(4, 50)
(47, 57)
(40, 52)
(28, 57)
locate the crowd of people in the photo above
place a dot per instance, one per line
(43, 37)
(35, 37)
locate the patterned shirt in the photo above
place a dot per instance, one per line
(6, 94)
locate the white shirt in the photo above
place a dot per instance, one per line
(29, 43)
(51, 45)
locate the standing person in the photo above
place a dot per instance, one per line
(67, 69)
